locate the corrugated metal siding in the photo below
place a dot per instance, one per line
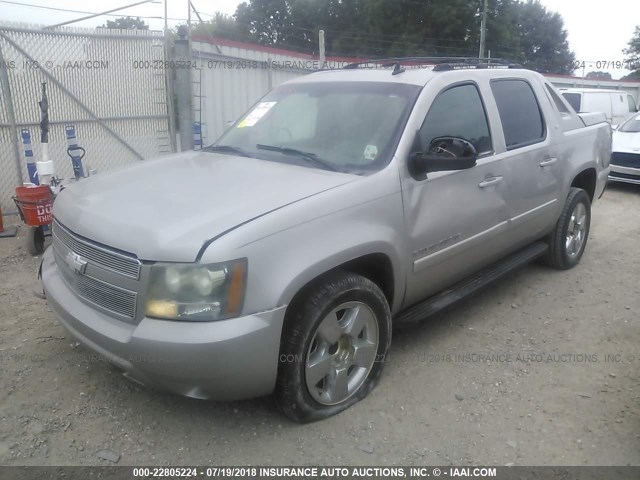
(231, 82)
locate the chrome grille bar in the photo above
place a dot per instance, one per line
(107, 296)
(129, 266)
(104, 295)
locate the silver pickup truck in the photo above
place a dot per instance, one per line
(343, 203)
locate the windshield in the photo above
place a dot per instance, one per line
(344, 126)
(631, 126)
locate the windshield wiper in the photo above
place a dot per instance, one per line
(227, 148)
(294, 151)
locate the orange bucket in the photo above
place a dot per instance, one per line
(35, 203)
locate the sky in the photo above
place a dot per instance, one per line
(598, 31)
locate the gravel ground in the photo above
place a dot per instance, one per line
(562, 386)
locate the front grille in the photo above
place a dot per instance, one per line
(102, 264)
(117, 262)
(102, 294)
(112, 298)
(630, 160)
(626, 176)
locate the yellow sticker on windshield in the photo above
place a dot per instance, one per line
(256, 114)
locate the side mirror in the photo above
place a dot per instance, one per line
(444, 154)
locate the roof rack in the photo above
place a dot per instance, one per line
(439, 64)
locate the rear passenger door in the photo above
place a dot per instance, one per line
(532, 159)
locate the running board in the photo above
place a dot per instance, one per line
(470, 285)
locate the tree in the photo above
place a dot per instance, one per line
(222, 26)
(438, 27)
(365, 28)
(503, 36)
(268, 21)
(599, 75)
(633, 51)
(523, 31)
(633, 56)
(126, 23)
(543, 39)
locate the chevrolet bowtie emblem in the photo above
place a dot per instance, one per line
(76, 262)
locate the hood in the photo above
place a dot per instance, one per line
(166, 209)
(626, 142)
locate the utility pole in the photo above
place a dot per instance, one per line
(168, 79)
(183, 89)
(189, 20)
(483, 29)
(321, 44)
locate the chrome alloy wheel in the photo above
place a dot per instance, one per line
(342, 353)
(576, 231)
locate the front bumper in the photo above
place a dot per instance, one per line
(223, 360)
(624, 174)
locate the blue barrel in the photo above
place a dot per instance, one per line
(197, 136)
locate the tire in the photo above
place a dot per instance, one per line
(569, 238)
(35, 240)
(320, 372)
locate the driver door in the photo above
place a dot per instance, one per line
(455, 219)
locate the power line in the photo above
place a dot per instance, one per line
(376, 38)
(93, 15)
(84, 12)
(380, 39)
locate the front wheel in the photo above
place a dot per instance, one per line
(334, 346)
(35, 240)
(569, 239)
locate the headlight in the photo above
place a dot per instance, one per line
(197, 292)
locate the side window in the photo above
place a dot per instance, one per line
(574, 99)
(632, 104)
(520, 114)
(557, 100)
(458, 112)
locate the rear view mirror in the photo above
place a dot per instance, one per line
(444, 154)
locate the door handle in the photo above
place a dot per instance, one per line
(489, 182)
(548, 161)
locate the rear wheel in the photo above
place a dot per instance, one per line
(569, 239)
(333, 349)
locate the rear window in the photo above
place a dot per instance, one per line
(574, 100)
(520, 114)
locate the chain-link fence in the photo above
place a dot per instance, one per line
(109, 84)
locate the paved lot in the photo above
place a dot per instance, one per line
(547, 395)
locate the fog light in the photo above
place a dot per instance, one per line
(162, 309)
